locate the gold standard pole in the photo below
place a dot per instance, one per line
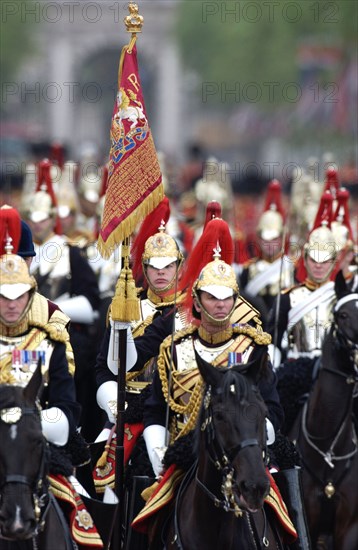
(125, 308)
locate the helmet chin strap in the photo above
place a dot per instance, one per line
(23, 314)
(319, 280)
(217, 322)
(170, 285)
(161, 290)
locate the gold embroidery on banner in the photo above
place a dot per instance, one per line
(124, 181)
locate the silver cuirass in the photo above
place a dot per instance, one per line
(305, 338)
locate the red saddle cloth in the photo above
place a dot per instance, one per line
(83, 529)
(165, 490)
(104, 471)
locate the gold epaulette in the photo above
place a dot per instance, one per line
(256, 334)
(55, 326)
(245, 312)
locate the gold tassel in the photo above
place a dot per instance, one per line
(148, 491)
(125, 303)
(102, 461)
(118, 305)
(132, 300)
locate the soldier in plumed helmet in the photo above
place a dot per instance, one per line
(268, 272)
(304, 308)
(65, 277)
(27, 335)
(213, 300)
(32, 336)
(157, 261)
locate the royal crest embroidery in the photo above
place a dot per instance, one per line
(84, 520)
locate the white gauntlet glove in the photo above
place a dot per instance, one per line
(55, 426)
(78, 309)
(113, 348)
(275, 356)
(107, 399)
(154, 437)
(270, 432)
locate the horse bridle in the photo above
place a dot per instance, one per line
(38, 486)
(345, 343)
(222, 460)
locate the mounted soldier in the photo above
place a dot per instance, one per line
(157, 262)
(269, 271)
(64, 276)
(29, 336)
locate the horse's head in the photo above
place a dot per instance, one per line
(345, 315)
(22, 459)
(233, 422)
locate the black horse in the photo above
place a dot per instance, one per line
(29, 515)
(220, 503)
(327, 439)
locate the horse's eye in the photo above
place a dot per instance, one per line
(343, 315)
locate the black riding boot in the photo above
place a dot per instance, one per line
(290, 484)
(133, 539)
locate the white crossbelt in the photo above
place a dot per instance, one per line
(270, 275)
(322, 294)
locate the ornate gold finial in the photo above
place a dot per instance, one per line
(133, 21)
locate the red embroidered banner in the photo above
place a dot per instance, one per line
(134, 177)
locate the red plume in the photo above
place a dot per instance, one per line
(213, 210)
(148, 228)
(10, 227)
(274, 197)
(331, 183)
(343, 208)
(324, 214)
(44, 183)
(216, 233)
(57, 154)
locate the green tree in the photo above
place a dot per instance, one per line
(16, 37)
(242, 42)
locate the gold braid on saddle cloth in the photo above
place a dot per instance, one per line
(189, 381)
(41, 328)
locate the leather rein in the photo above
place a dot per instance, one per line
(39, 485)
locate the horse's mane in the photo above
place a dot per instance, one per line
(241, 384)
(231, 380)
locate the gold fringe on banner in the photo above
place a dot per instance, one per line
(128, 226)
